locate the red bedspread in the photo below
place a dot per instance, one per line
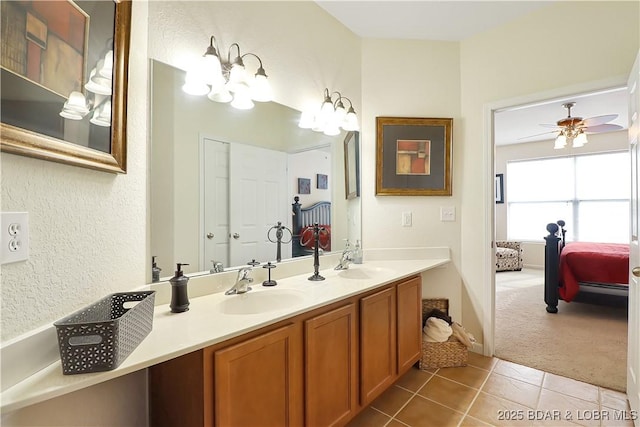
(592, 262)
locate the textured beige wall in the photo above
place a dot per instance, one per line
(87, 240)
(87, 228)
(412, 79)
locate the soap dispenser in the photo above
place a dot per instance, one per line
(357, 253)
(155, 270)
(179, 297)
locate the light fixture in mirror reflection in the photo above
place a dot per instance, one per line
(97, 102)
(331, 116)
(203, 157)
(227, 80)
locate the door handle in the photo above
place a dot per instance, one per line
(237, 236)
(210, 236)
(636, 271)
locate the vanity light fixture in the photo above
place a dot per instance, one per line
(228, 81)
(331, 116)
(97, 100)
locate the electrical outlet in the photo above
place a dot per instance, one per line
(14, 237)
(406, 219)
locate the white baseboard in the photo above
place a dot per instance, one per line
(478, 348)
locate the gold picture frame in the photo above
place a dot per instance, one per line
(352, 165)
(24, 141)
(413, 156)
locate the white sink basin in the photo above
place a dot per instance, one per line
(363, 273)
(264, 301)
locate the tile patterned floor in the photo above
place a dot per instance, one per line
(493, 392)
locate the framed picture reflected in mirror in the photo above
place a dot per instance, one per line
(352, 165)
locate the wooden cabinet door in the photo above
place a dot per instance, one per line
(259, 381)
(331, 367)
(409, 306)
(377, 344)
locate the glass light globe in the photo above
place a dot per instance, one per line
(561, 141)
(194, 83)
(71, 115)
(77, 103)
(211, 72)
(306, 120)
(223, 95)
(242, 97)
(332, 130)
(350, 122)
(580, 140)
(237, 76)
(105, 66)
(340, 112)
(261, 89)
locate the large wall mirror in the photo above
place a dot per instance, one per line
(223, 178)
(64, 81)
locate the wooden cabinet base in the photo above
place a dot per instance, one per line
(260, 379)
(320, 368)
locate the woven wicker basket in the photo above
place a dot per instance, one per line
(441, 354)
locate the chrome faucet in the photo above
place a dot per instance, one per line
(242, 282)
(217, 267)
(345, 259)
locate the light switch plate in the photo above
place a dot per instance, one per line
(407, 219)
(448, 213)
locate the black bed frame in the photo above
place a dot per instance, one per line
(609, 293)
(552, 249)
(319, 212)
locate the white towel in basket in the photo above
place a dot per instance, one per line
(437, 330)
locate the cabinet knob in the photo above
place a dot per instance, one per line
(236, 236)
(636, 271)
(210, 236)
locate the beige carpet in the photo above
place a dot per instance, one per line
(585, 342)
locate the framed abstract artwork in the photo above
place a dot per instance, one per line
(64, 71)
(413, 156)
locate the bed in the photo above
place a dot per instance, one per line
(574, 270)
(303, 221)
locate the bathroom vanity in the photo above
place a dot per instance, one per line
(318, 368)
(299, 353)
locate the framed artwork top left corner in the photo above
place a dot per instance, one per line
(64, 81)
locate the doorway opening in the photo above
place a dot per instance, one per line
(518, 293)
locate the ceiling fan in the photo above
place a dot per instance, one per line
(575, 129)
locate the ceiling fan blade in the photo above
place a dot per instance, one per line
(548, 125)
(598, 120)
(602, 128)
(538, 134)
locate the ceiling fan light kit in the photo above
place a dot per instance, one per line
(573, 130)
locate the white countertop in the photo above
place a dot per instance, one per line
(176, 334)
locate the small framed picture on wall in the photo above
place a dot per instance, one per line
(304, 186)
(322, 181)
(499, 188)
